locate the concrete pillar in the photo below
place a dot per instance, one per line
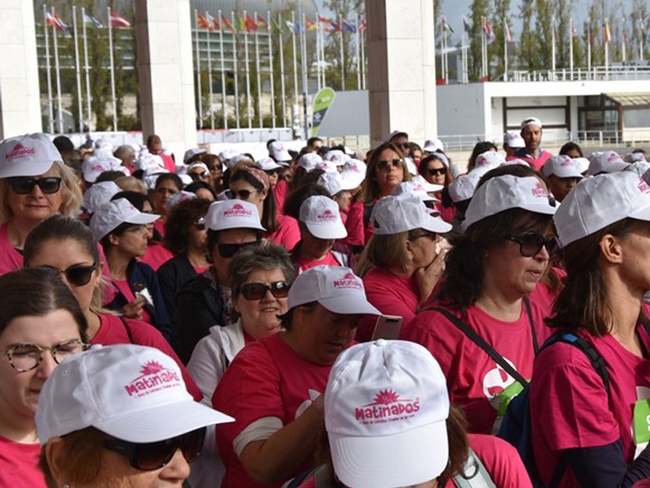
(401, 69)
(164, 53)
(20, 108)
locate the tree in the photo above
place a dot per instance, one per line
(500, 19)
(639, 19)
(545, 29)
(479, 10)
(342, 50)
(529, 40)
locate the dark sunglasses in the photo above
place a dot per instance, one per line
(216, 167)
(229, 250)
(78, 274)
(403, 145)
(151, 456)
(240, 195)
(532, 243)
(437, 171)
(200, 223)
(23, 185)
(384, 165)
(196, 176)
(257, 291)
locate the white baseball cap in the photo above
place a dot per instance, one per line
(395, 214)
(131, 392)
(336, 288)
(327, 166)
(308, 161)
(561, 166)
(640, 167)
(489, 159)
(149, 162)
(605, 162)
(386, 407)
(417, 188)
(100, 162)
(99, 194)
(228, 154)
(190, 153)
(433, 145)
(582, 164)
(355, 165)
(27, 155)
(352, 178)
(396, 133)
(634, 157)
(335, 183)
(278, 152)
(109, 216)
(202, 166)
(336, 156)
(600, 201)
(233, 214)
(177, 198)
(267, 164)
(505, 192)
(514, 140)
(322, 217)
(463, 187)
(531, 121)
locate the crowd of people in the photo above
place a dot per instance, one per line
(323, 318)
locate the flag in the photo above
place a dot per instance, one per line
(487, 30)
(445, 26)
(362, 25)
(310, 25)
(118, 21)
(466, 26)
(347, 26)
(55, 21)
(277, 26)
(606, 34)
(507, 32)
(591, 31)
(250, 24)
(214, 21)
(202, 22)
(329, 25)
(89, 19)
(574, 29)
(261, 22)
(624, 38)
(295, 28)
(228, 24)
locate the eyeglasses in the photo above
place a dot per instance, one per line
(197, 176)
(200, 223)
(257, 291)
(532, 243)
(437, 171)
(403, 145)
(229, 250)
(26, 357)
(384, 165)
(151, 456)
(77, 274)
(429, 235)
(216, 167)
(241, 194)
(24, 186)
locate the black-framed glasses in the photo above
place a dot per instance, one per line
(384, 165)
(23, 185)
(229, 250)
(412, 236)
(215, 167)
(151, 456)
(26, 357)
(437, 171)
(197, 176)
(77, 274)
(257, 291)
(199, 223)
(403, 145)
(532, 243)
(240, 194)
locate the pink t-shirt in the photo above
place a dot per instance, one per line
(473, 378)
(125, 289)
(266, 380)
(169, 163)
(159, 225)
(10, 259)
(287, 234)
(544, 296)
(567, 389)
(391, 295)
(446, 213)
(354, 225)
(156, 255)
(329, 260)
(536, 163)
(280, 191)
(19, 464)
(113, 331)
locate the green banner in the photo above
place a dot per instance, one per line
(322, 102)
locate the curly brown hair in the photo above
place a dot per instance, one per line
(181, 217)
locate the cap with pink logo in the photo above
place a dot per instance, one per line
(278, 152)
(308, 161)
(327, 166)
(561, 166)
(600, 201)
(396, 214)
(99, 194)
(463, 187)
(386, 408)
(338, 157)
(321, 216)
(27, 155)
(514, 140)
(267, 164)
(504, 193)
(418, 187)
(233, 214)
(336, 288)
(111, 215)
(605, 162)
(100, 162)
(489, 159)
(335, 183)
(134, 393)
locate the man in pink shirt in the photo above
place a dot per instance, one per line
(533, 154)
(155, 147)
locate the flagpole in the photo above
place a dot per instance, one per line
(198, 67)
(442, 46)
(282, 86)
(112, 65)
(624, 40)
(271, 73)
(553, 49)
(48, 71)
(295, 59)
(86, 66)
(76, 68)
(303, 65)
(322, 57)
(318, 60)
(445, 54)
(259, 75)
(249, 108)
(606, 47)
(505, 50)
(358, 61)
(235, 67)
(342, 52)
(464, 50)
(571, 47)
(57, 74)
(363, 60)
(223, 74)
(483, 50)
(589, 45)
(207, 34)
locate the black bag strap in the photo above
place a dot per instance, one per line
(532, 324)
(480, 342)
(128, 330)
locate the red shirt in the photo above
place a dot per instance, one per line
(19, 464)
(329, 260)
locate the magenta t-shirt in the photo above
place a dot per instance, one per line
(156, 255)
(287, 234)
(125, 289)
(19, 464)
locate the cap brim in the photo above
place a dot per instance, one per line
(32, 168)
(349, 304)
(142, 218)
(162, 422)
(408, 458)
(333, 230)
(567, 173)
(539, 208)
(436, 225)
(641, 214)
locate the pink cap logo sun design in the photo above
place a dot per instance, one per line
(237, 210)
(538, 191)
(613, 157)
(643, 186)
(348, 281)
(387, 406)
(19, 151)
(327, 215)
(153, 377)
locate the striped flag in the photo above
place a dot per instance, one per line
(507, 32)
(606, 34)
(53, 19)
(327, 23)
(202, 22)
(250, 24)
(213, 20)
(347, 26)
(466, 26)
(487, 30)
(118, 21)
(228, 24)
(445, 26)
(261, 22)
(310, 25)
(89, 19)
(362, 25)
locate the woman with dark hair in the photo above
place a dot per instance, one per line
(572, 150)
(435, 169)
(598, 404)
(215, 167)
(166, 185)
(491, 268)
(185, 236)
(479, 148)
(41, 324)
(202, 190)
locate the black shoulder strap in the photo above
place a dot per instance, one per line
(532, 324)
(480, 342)
(128, 330)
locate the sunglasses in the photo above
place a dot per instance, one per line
(229, 250)
(429, 235)
(151, 456)
(437, 171)
(257, 291)
(240, 195)
(216, 167)
(23, 185)
(384, 165)
(77, 274)
(532, 243)
(403, 145)
(196, 176)
(199, 224)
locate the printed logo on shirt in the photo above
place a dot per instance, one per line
(326, 216)
(539, 191)
(387, 406)
(237, 210)
(153, 377)
(495, 382)
(348, 281)
(19, 151)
